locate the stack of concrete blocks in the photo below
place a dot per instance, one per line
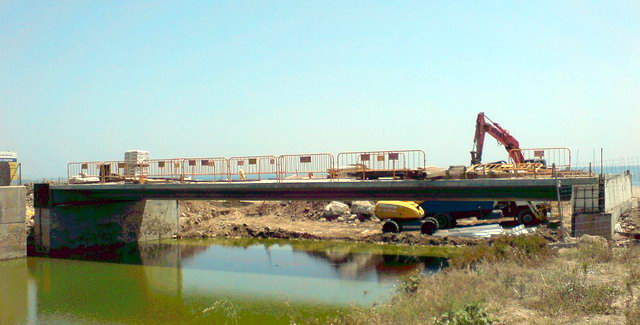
(597, 207)
(13, 237)
(132, 160)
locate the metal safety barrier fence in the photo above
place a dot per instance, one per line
(378, 164)
(559, 156)
(362, 165)
(253, 168)
(306, 166)
(164, 168)
(206, 169)
(84, 168)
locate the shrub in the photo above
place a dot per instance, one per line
(594, 248)
(632, 312)
(523, 249)
(571, 292)
(410, 283)
(472, 314)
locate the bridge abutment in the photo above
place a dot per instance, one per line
(63, 228)
(13, 236)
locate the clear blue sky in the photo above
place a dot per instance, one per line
(88, 80)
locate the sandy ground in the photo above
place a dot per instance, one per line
(258, 219)
(296, 219)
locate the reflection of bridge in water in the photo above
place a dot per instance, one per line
(385, 267)
(166, 282)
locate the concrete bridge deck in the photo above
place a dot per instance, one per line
(472, 189)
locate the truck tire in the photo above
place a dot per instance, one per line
(429, 226)
(391, 226)
(445, 220)
(527, 218)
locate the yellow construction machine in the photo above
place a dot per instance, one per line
(433, 215)
(398, 214)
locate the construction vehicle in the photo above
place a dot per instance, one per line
(485, 125)
(433, 215)
(400, 214)
(430, 216)
(448, 212)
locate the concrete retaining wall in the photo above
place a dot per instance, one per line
(617, 195)
(597, 208)
(84, 226)
(13, 237)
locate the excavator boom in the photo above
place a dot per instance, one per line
(486, 125)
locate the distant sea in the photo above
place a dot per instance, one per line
(635, 171)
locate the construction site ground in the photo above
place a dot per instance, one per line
(303, 220)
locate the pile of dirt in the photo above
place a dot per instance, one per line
(628, 227)
(311, 210)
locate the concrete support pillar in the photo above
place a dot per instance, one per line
(73, 227)
(13, 237)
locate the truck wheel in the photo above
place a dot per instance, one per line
(429, 226)
(391, 226)
(445, 220)
(527, 218)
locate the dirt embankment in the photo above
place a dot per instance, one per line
(290, 220)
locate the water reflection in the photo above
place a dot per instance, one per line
(14, 306)
(202, 281)
(387, 267)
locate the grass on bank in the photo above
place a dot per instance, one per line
(519, 280)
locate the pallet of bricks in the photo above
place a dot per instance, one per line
(134, 161)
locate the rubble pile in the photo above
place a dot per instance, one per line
(628, 226)
(359, 211)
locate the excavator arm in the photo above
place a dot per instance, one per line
(486, 125)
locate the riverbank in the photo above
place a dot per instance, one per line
(591, 283)
(530, 281)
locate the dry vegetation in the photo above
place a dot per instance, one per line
(520, 280)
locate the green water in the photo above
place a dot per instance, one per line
(242, 281)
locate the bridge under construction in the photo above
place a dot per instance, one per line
(541, 189)
(109, 202)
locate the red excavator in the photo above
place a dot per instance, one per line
(486, 125)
